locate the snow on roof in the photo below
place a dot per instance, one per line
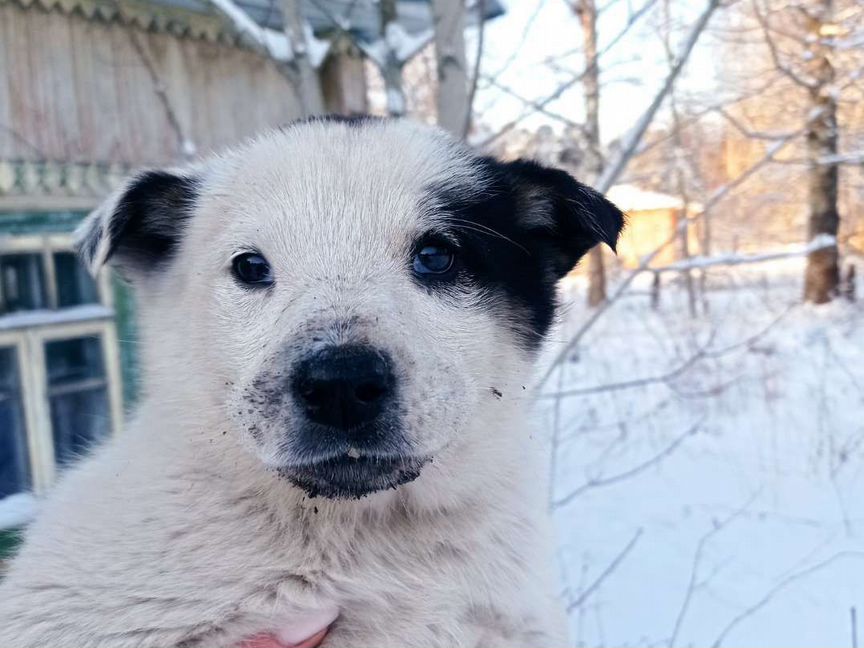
(631, 198)
(360, 18)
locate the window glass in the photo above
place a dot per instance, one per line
(78, 395)
(14, 457)
(22, 283)
(74, 284)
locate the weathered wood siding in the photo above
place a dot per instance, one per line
(77, 90)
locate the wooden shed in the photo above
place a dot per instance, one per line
(652, 219)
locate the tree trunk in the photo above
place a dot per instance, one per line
(392, 68)
(593, 163)
(705, 242)
(680, 161)
(343, 80)
(449, 20)
(299, 71)
(822, 276)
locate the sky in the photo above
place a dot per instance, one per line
(518, 43)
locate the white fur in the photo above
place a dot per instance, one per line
(176, 533)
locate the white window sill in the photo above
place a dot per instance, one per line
(17, 510)
(29, 319)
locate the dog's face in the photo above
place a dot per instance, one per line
(356, 296)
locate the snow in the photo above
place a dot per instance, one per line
(17, 510)
(395, 102)
(398, 42)
(403, 44)
(189, 148)
(818, 242)
(632, 198)
(46, 317)
(737, 480)
(853, 157)
(317, 48)
(275, 43)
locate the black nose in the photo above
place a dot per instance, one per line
(344, 386)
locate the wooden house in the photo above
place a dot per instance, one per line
(652, 219)
(89, 91)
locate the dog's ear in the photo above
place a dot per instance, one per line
(139, 227)
(571, 216)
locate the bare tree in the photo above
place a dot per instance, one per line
(586, 10)
(390, 63)
(802, 50)
(822, 275)
(475, 77)
(607, 174)
(449, 21)
(299, 68)
(679, 162)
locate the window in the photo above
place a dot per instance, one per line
(78, 395)
(60, 389)
(74, 284)
(23, 283)
(14, 457)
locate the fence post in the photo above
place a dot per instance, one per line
(847, 283)
(655, 291)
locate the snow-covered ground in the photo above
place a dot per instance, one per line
(725, 505)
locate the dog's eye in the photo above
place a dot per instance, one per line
(434, 259)
(252, 269)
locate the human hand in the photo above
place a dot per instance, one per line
(268, 640)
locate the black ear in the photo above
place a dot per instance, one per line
(139, 228)
(573, 215)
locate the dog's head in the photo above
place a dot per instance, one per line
(355, 296)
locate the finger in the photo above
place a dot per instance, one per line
(313, 641)
(267, 640)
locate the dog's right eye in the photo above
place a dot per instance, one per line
(252, 269)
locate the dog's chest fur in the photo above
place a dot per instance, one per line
(227, 557)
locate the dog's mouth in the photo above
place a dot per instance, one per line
(348, 477)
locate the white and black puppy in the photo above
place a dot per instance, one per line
(339, 321)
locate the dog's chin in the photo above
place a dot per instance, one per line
(349, 478)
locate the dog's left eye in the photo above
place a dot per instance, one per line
(434, 259)
(252, 269)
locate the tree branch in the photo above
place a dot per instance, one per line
(475, 77)
(820, 242)
(775, 53)
(694, 569)
(595, 585)
(185, 146)
(780, 586)
(634, 137)
(644, 265)
(568, 84)
(631, 472)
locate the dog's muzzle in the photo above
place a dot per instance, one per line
(350, 442)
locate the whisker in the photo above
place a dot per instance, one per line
(484, 229)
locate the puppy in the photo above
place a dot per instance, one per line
(338, 325)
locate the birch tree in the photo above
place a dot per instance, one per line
(449, 23)
(801, 47)
(389, 61)
(299, 69)
(592, 165)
